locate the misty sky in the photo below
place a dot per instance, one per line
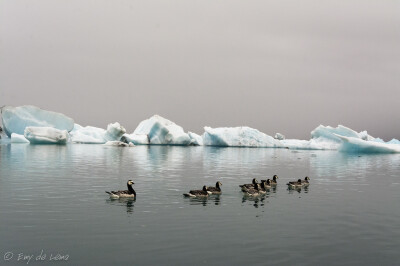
(278, 66)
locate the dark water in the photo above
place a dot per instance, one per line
(52, 201)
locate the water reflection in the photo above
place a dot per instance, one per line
(298, 189)
(256, 201)
(125, 202)
(273, 189)
(212, 199)
(339, 165)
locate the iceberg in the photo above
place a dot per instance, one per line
(394, 141)
(357, 145)
(328, 133)
(114, 132)
(313, 144)
(238, 137)
(160, 131)
(195, 140)
(16, 138)
(16, 119)
(46, 135)
(95, 135)
(326, 138)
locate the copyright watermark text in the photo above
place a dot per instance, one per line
(40, 256)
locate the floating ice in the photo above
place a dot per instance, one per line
(326, 138)
(88, 135)
(118, 143)
(357, 145)
(17, 138)
(330, 133)
(195, 139)
(238, 137)
(16, 119)
(40, 126)
(313, 144)
(161, 131)
(114, 132)
(394, 141)
(46, 135)
(95, 135)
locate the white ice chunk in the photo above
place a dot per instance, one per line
(357, 145)
(238, 137)
(394, 141)
(88, 135)
(114, 132)
(118, 143)
(162, 131)
(329, 133)
(46, 135)
(137, 139)
(95, 135)
(195, 139)
(16, 119)
(17, 138)
(279, 136)
(325, 138)
(313, 144)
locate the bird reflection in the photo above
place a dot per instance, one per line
(198, 201)
(298, 189)
(216, 199)
(256, 200)
(127, 202)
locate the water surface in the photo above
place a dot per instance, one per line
(52, 199)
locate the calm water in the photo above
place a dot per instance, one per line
(52, 201)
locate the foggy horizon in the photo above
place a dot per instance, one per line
(282, 66)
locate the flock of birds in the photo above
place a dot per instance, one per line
(253, 189)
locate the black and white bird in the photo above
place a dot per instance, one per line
(274, 181)
(130, 193)
(254, 181)
(306, 181)
(198, 193)
(295, 184)
(252, 191)
(215, 190)
(265, 185)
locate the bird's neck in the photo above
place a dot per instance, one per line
(131, 190)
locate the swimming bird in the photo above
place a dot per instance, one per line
(215, 190)
(198, 193)
(253, 191)
(274, 181)
(265, 185)
(295, 184)
(130, 193)
(306, 181)
(254, 181)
